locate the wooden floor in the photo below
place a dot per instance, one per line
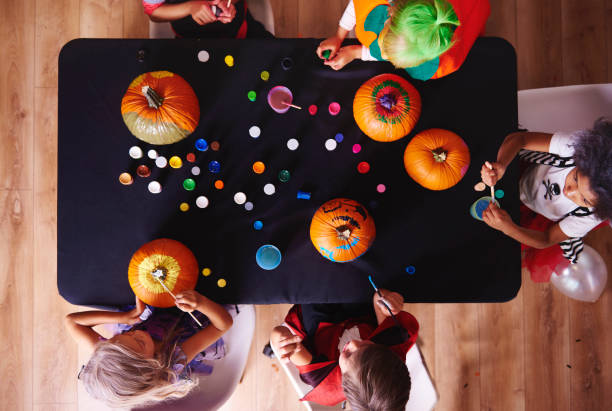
(539, 352)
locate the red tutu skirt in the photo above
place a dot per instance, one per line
(541, 262)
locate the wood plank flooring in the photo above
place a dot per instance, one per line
(539, 352)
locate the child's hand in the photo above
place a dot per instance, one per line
(188, 300)
(201, 12)
(491, 173)
(497, 218)
(344, 56)
(332, 44)
(394, 300)
(133, 316)
(289, 346)
(228, 13)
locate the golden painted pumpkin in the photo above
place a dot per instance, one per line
(342, 230)
(387, 107)
(437, 159)
(169, 259)
(160, 107)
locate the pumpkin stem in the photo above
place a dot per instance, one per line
(154, 99)
(439, 154)
(344, 232)
(388, 101)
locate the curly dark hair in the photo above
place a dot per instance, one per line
(382, 382)
(593, 158)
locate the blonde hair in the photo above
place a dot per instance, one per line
(419, 31)
(123, 378)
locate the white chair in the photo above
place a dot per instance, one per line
(215, 389)
(423, 396)
(260, 9)
(568, 108)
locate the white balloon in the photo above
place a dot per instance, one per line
(585, 280)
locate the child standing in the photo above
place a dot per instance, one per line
(566, 192)
(197, 19)
(428, 38)
(348, 351)
(151, 361)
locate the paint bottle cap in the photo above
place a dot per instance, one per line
(214, 166)
(293, 144)
(126, 179)
(143, 171)
(254, 131)
(284, 176)
(259, 167)
(135, 152)
(331, 144)
(175, 162)
(239, 197)
(155, 187)
(269, 189)
(203, 56)
(201, 144)
(202, 202)
(189, 184)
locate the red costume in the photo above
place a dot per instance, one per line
(323, 373)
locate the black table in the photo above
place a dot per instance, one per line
(102, 223)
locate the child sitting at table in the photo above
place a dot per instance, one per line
(197, 19)
(566, 191)
(348, 351)
(428, 38)
(152, 360)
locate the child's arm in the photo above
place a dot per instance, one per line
(332, 44)
(512, 144)
(501, 220)
(80, 324)
(289, 346)
(199, 10)
(220, 321)
(394, 300)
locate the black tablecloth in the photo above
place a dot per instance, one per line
(101, 223)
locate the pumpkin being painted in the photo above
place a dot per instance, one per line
(176, 264)
(437, 159)
(386, 107)
(160, 107)
(342, 230)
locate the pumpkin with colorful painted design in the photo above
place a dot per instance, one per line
(437, 159)
(386, 107)
(172, 261)
(342, 230)
(160, 107)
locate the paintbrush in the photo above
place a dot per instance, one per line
(157, 275)
(383, 300)
(490, 167)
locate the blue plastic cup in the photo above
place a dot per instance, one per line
(268, 257)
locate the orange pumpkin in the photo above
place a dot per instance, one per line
(437, 159)
(176, 264)
(342, 230)
(160, 107)
(386, 107)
